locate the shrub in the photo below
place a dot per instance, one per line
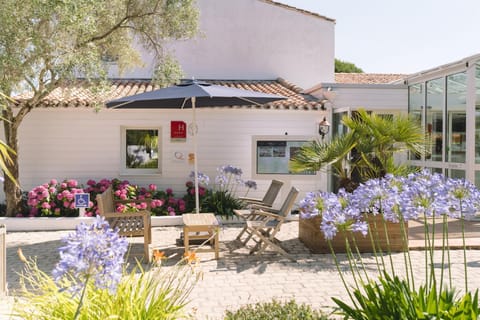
(54, 199)
(221, 198)
(275, 310)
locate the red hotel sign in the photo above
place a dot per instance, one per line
(178, 130)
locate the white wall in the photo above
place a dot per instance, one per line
(251, 39)
(370, 97)
(81, 144)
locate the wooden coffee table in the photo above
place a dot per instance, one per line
(201, 226)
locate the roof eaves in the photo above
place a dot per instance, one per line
(286, 6)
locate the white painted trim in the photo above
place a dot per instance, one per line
(64, 223)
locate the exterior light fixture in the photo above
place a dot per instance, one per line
(323, 127)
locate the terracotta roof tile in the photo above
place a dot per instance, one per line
(78, 94)
(368, 78)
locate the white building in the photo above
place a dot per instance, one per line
(251, 44)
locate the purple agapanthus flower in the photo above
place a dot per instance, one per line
(229, 169)
(396, 198)
(251, 184)
(92, 252)
(203, 179)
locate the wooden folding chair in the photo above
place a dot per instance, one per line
(132, 224)
(268, 198)
(262, 225)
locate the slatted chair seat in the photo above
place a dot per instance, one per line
(131, 224)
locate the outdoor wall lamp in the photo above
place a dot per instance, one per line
(323, 127)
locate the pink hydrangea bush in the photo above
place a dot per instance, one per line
(54, 199)
(57, 199)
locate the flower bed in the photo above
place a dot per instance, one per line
(310, 234)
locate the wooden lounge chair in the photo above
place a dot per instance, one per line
(132, 224)
(263, 224)
(268, 198)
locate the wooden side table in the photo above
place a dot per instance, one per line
(201, 226)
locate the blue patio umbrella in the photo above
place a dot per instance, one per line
(193, 94)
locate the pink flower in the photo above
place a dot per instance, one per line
(57, 212)
(53, 182)
(117, 193)
(66, 204)
(63, 185)
(91, 182)
(51, 190)
(169, 191)
(171, 213)
(45, 205)
(156, 203)
(72, 183)
(123, 196)
(142, 206)
(152, 187)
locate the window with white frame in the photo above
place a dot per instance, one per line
(140, 150)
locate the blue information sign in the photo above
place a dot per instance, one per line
(82, 200)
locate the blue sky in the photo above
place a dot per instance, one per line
(400, 36)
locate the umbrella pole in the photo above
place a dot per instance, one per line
(195, 166)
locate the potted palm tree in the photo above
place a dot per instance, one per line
(366, 151)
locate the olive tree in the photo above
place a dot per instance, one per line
(46, 43)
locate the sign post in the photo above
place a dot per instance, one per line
(82, 201)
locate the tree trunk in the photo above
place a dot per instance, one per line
(13, 192)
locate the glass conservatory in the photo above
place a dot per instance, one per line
(446, 102)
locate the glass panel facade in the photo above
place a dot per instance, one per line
(477, 179)
(337, 126)
(456, 117)
(434, 118)
(456, 174)
(477, 113)
(416, 99)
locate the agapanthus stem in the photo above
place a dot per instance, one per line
(80, 302)
(374, 246)
(363, 268)
(406, 254)
(351, 261)
(445, 249)
(337, 265)
(389, 250)
(462, 219)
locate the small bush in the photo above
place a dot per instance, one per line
(275, 310)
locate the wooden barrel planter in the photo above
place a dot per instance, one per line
(311, 235)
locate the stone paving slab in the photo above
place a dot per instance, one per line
(238, 278)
